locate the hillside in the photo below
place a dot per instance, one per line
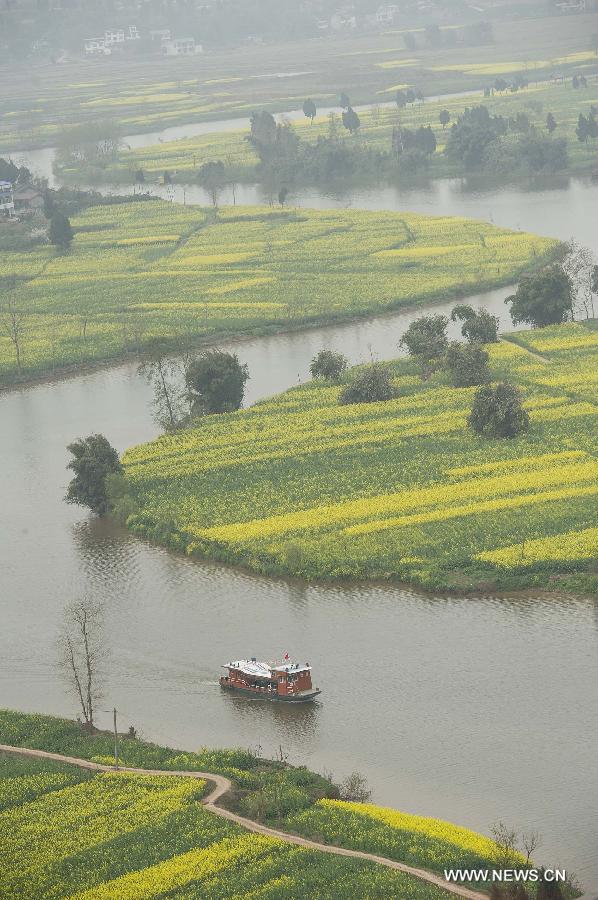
(404, 489)
(69, 832)
(138, 273)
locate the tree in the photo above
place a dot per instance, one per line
(498, 412)
(216, 382)
(472, 134)
(282, 195)
(13, 320)
(583, 129)
(309, 110)
(82, 654)
(531, 841)
(170, 407)
(354, 788)
(371, 385)
(351, 120)
(401, 99)
(426, 340)
(500, 85)
(93, 460)
(467, 364)
(212, 176)
(551, 123)
(479, 326)
(140, 176)
(542, 298)
(425, 140)
(344, 101)
(329, 365)
(444, 118)
(579, 265)
(61, 232)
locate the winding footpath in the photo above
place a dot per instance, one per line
(222, 786)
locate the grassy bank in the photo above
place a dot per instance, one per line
(183, 157)
(67, 832)
(299, 485)
(140, 272)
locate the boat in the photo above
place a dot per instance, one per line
(288, 681)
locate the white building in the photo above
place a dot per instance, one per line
(181, 47)
(385, 15)
(572, 5)
(7, 202)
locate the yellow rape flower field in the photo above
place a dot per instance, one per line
(141, 271)
(402, 489)
(72, 833)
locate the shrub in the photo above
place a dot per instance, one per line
(468, 364)
(328, 364)
(371, 385)
(498, 411)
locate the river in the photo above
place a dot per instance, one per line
(470, 709)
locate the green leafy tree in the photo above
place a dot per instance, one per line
(498, 411)
(344, 101)
(542, 298)
(479, 326)
(444, 118)
(472, 134)
(467, 364)
(371, 385)
(351, 120)
(309, 110)
(551, 124)
(426, 340)
(212, 176)
(329, 365)
(93, 460)
(216, 382)
(61, 232)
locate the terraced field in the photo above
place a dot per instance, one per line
(301, 485)
(141, 271)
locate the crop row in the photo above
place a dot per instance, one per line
(299, 483)
(140, 271)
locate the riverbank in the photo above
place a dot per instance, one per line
(142, 95)
(290, 804)
(395, 490)
(145, 274)
(370, 153)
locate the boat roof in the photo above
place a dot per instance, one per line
(265, 670)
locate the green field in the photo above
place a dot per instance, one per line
(70, 833)
(183, 157)
(42, 102)
(300, 485)
(141, 271)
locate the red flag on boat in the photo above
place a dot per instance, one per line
(286, 656)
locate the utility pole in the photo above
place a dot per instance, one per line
(115, 741)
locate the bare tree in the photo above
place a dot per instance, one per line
(507, 841)
(531, 841)
(580, 265)
(82, 654)
(13, 321)
(355, 788)
(170, 398)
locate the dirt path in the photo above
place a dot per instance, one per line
(222, 786)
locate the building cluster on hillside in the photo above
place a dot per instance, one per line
(116, 40)
(15, 199)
